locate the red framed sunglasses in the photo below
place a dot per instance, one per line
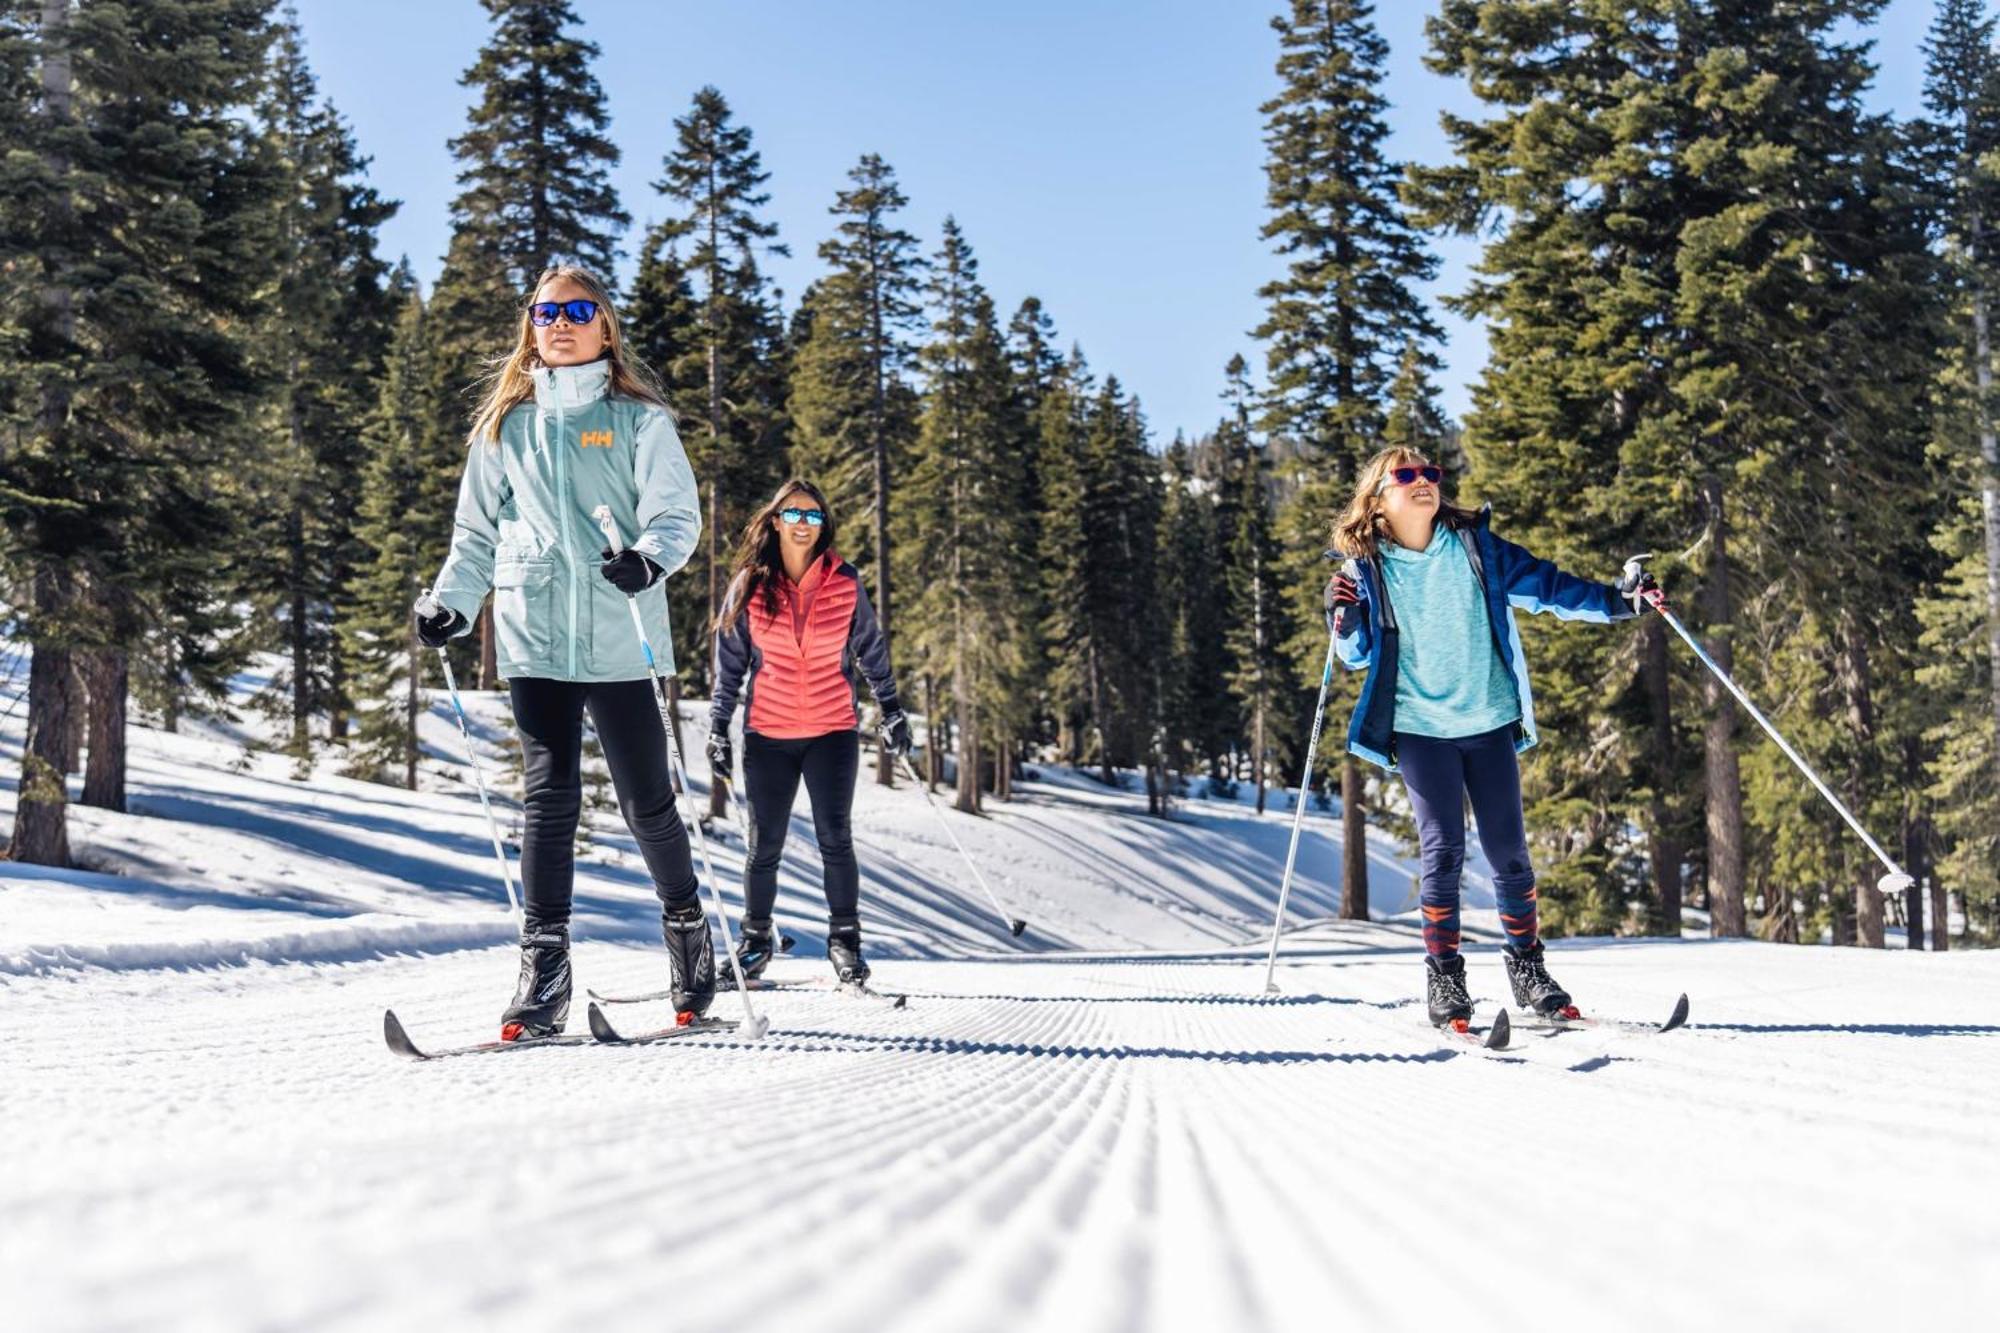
(1410, 476)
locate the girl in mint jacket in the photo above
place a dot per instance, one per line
(570, 423)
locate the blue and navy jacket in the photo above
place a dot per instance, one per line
(1508, 577)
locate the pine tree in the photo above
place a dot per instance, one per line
(535, 164)
(960, 536)
(715, 174)
(1258, 621)
(853, 415)
(1962, 93)
(409, 492)
(1677, 364)
(321, 339)
(1338, 321)
(130, 207)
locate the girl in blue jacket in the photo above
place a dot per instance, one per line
(1425, 603)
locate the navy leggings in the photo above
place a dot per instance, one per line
(772, 770)
(549, 716)
(1439, 774)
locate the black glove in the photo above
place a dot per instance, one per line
(1343, 603)
(1642, 590)
(721, 757)
(628, 571)
(435, 631)
(895, 729)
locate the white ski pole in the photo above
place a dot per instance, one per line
(428, 606)
(1298, 819)
(754, 1027)
(1015, 924)
(1895, 881)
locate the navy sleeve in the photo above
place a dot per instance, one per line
(1536, 585)
(732, 660)
(870, 650)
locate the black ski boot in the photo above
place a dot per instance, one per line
(691, 956)
(1534, 988)
(755, 948)
(843, 950)
(1444, 990)
(541, 999)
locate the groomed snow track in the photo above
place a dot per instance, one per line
(1081, 1142)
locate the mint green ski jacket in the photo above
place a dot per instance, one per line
(525, 528)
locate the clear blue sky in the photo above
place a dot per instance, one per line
(1104, 156)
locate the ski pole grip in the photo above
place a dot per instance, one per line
(609, 525)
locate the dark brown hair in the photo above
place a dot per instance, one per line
(759, 568)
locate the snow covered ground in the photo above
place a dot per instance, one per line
(1104, 1126)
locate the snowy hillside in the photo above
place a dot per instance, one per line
(1105, 1125)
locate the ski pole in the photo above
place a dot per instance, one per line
(1895, 881)
(427, 606)
(1014, 923)
(754, 1026)
(1298, 819)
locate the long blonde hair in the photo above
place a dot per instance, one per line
(1361, 526)
(511, 381)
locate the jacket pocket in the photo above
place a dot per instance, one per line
(524, 610)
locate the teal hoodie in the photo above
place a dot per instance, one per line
(525, 529)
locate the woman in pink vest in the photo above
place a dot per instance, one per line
(794, 626)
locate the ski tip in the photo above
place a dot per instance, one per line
(1679, 1017)
(399, 1040)
(600, 1026)
(1017, 927)
(1501, 1032)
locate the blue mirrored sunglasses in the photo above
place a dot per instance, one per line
(544, 313)
(815, 517)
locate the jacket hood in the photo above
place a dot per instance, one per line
(571, 386)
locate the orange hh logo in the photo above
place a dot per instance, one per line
(600, 438)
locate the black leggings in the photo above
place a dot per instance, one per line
(771, 773)
(549, 717)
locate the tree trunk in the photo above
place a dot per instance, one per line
(1868, 924)
(933, 728)
(1940, 916)
(41, 834)
(41, 830)
(104, 779)
(1257, 749)
(1353, 839)
(1003, 772)
(489, 649)
(1663, 841)
(301, 656)
(413, 701)
(1723, 773)
(1989, 498)
(76, 708)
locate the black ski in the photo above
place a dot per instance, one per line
(861, 990)
(399, 1042)
(1590, 1023)
(602, 1031)
(1493, 1038)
